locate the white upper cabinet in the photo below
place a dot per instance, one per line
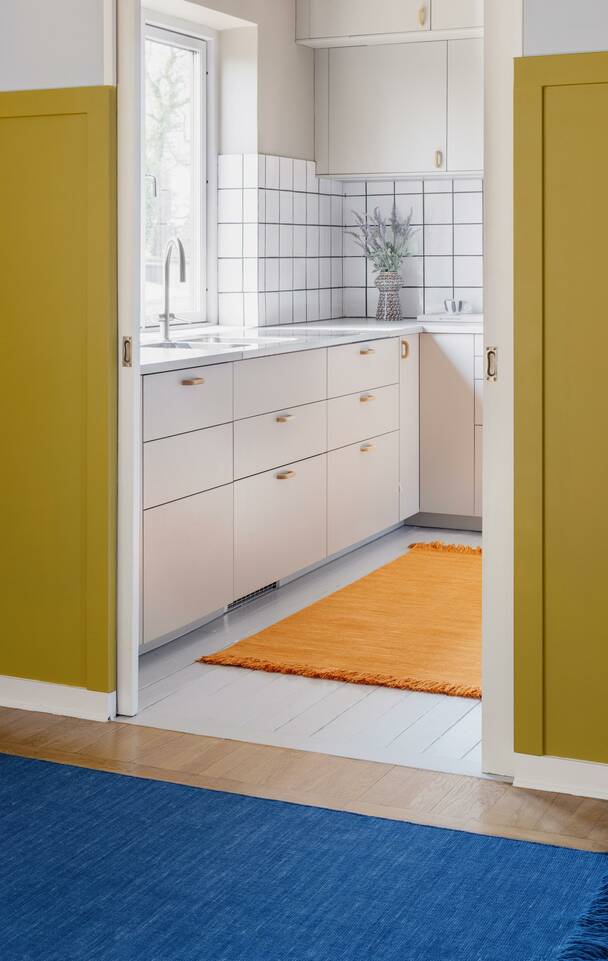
(456, 14)
(465, 105)
(319, 19)
(387, 109)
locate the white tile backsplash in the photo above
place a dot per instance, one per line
(285, 255)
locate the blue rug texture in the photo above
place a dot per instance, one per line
(103, 867)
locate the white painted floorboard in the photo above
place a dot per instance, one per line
(350, 720)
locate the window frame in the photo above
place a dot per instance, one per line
(173, 36)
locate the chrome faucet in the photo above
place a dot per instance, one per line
(167, 317)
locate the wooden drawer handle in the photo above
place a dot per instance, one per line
(193, 381)
(284, 418)
(367, 350)
(405, 349)
(422, 15)
(286, 475)
(367, 448)
(365, 398)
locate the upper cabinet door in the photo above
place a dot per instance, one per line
(465, 105)
(387, 108)
(457, 14)
(345, 18)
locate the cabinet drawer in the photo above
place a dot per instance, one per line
(356, 367)
(264, 384)
(262, 442)
(362, 491)
(356, 416)
(187, 561)
(181, 400)
(186, 464)
(280, 524)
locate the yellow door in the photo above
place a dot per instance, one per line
(58, 385)
(561, 400)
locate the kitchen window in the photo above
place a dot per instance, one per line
(174, 189)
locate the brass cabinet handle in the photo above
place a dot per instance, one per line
(193, 381)
(492, 364)
(284, 418)
(422, 15)
(367, 350)
(405, 349)
(286, 475)
(438, 158)
(367, 448)
(365, 398)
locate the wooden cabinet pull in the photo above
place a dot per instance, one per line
(405, 349)
(365, 398)
(422, 15)
(367, 448)
(193, 381)
(438, 158)
(284, 418)
(286, 475)
(367, 350)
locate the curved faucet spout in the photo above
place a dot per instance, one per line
(167, 317)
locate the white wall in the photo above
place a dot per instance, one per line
(56, 43)
(565, 26)
(238, 108)
(285, 76)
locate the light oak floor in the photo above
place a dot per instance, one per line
(427, 731)
(345, 784)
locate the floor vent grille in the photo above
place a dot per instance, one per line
(246, 598)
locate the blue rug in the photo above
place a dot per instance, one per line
(102, 867)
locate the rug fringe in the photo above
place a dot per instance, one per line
(441, 547)
(352, 677)
(589, 942)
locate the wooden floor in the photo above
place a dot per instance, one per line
(346, 784)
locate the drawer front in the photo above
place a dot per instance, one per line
(268, 440)
(362, 491)
(186, 464)
(280, 523)
(182, 400)
(356, 416)
(264, 384)
(187, 561)
(356, 367)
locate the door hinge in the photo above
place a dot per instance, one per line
(127, 352)
(492, 364)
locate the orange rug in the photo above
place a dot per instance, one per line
(413, 624)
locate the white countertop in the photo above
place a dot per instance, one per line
(267, 341)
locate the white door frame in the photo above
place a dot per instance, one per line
(129, 383)
(503, 41)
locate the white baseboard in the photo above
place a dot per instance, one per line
(562, 775)
(27, 695)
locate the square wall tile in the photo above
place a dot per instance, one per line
(337, 279)
(325, 241)
(380, 187)
(251, 313)
(230, 240)
(272, 273)
(336, 241)
(354, 302)
(312, 209)
(230, 206)
(468, 208)
(354, 271)
(324, 210)
(353, 206)
(250, 274)
(438, 272)
(230, 309)
(354, 188)
(286, 307)
(468, 186)
(350, 247)
(412, 272)
(438, 208)
(272, 173)
(272, 206)
(373, 297)
(337, 305)
(411, 301)
(299, 175)
(410, 203)
(286, 240)
(408, 186)
(325, 272)
(299, 208)
(299, 273)
(230, 170)
(324, 185)
(251, 170)
(250, 240)
(438, 185)
(312, 305)
(272, 309)
(336, 211)
(299, 306)
(285, 173)
(299, 240)
(285, 273)
(384, 202)
(230, 275)
(250, 206)
(312, 241)
(468, 239)
(324, 304)
(434, 298)
(261, 170)
(473, 296)
(312, 273)
(438, 240)
(468, 271)
(272, 240)
(312, 183)
(286, 206)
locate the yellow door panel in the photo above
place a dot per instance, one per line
(58, 385)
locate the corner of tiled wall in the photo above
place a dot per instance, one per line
(285, 254)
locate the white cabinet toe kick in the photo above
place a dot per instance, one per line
(257, 470)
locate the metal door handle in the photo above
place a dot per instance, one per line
(438, 158)
(286, 475)
(367, 350)
(492, 364)
(405, 349)
(365, 398)
(422, 15)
